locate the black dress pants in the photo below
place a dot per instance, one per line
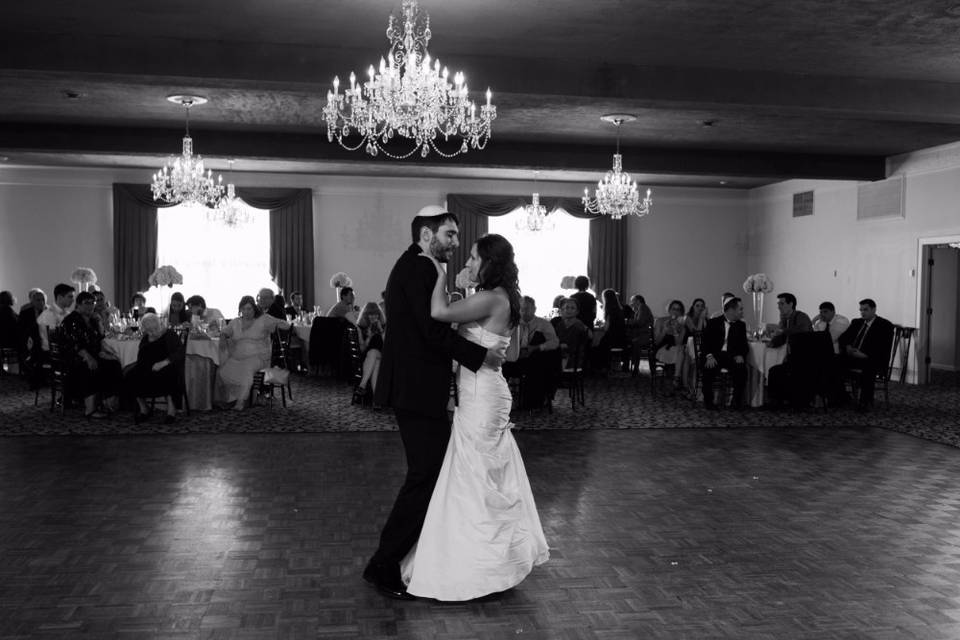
(425, 441)
(738, 372)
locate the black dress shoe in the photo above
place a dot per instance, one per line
(374, 574)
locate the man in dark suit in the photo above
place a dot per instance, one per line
(725, 347)
(414, 379)
(865, 349)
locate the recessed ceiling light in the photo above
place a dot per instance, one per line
(71, 94)
(707, 123)
(723, 182)
(4, 158)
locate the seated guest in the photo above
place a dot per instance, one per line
(571, 332)
(295, 308)
(792, 320)
(346, 307)
(177, 312)
(585, 301)
(668, 337)
(533, 355)
(29, 331)
(208, 316)
(9, 322)
(829, 320)
(156, 372)
(615, 334)
(270, 304)
(138, 306)
(865, 349)
(91, 371)
(370, 326)
(695, 323)
(248, 343)
(103, 309)
(697, 316)
(54, 314)
(725, 347)
(723, 301)
(638, 313)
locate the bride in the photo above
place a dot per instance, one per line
(482, 533)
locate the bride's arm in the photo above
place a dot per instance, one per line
(475, 308)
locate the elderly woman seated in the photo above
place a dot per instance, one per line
(669, 334)
(248, 341)
(157, 371)
(91, 371)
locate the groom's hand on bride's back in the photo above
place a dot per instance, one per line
(495, 357)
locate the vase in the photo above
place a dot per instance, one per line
(338, 296)
(758, 312)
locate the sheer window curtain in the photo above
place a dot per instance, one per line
(291, 237)
(607, 250)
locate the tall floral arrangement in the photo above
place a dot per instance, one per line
(165, 276)
(568, 282)
(757, 285)
(340, 280)
(85, 277)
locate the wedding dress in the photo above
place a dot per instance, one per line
(482, 533)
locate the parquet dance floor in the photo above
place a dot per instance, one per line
(709, 533)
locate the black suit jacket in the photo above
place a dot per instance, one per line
(416, 364)
(713, 338)
(876, 344)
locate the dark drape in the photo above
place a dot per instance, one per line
(291, 236)
(134, 240)
(472, 213)
(607, 244)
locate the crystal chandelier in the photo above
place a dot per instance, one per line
(616, 194)
(230, 211)
(410, 97)
(535, 217)
(182, 179)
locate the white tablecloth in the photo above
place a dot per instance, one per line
(760, 359)
(127, 350)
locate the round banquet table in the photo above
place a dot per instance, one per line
(760, 359)
(203, 357)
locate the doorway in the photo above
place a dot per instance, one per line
(939, 308)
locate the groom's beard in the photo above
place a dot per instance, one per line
(438, 251)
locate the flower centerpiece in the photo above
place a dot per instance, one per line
(340, 280)
(568, 282)
(84, 277)
(165, 276)
(464, 281)
(757, 285)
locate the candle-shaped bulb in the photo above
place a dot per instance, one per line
(489, 95)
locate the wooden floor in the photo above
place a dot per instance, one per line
(712, 533)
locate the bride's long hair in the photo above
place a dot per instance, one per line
(498, 269)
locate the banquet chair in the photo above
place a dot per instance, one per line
(183, 334)
(329, 345)
(882, 378)
(265, 382)
(657, 368)
(294, 347)
(571, 378)
(59, 369)
(9, 356)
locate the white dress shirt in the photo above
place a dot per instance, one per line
(49, 320)
(838, 325)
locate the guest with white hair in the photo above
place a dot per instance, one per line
(157, 371)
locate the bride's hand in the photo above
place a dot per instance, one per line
(436, 263)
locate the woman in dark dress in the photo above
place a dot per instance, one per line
(615, 336)
(90, 371)
(157, 371)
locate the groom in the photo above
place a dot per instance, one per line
(415, 380)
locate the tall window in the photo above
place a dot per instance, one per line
(545, 257)
(220, 263)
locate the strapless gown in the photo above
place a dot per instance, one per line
(482, 533)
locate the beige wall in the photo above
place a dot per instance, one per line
(53, 220)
